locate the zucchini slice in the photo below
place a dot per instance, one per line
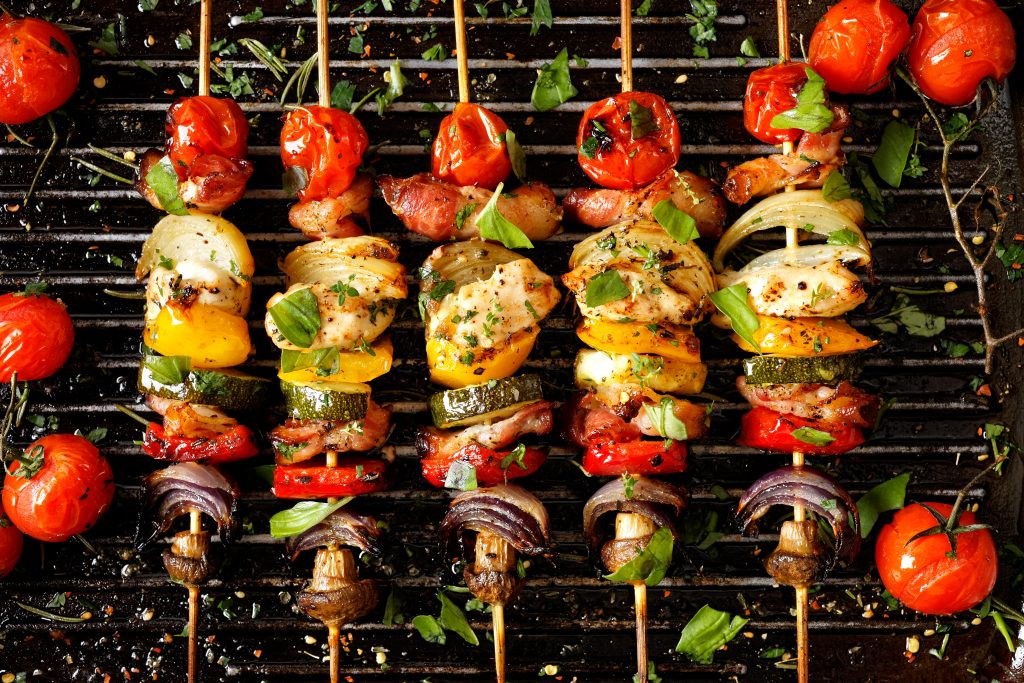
(802, 369)
(226, 388)
(665, 375)
(487, 402)
(324, 400)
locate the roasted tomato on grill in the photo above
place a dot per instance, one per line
(325, 148)
(470, 148)
(771, 91)
(202, 126)
(626, 141)
(956, 44)
(36, 336)
(11, 543)
(58, 487)
(39, 69)
(924, 573)
(856, 42)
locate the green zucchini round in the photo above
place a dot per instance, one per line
(321, 400)
(227, 389)
(487, 402)
(802, 370)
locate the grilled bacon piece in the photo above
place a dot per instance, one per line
(535, 418)
(843, 405)
(299, 440)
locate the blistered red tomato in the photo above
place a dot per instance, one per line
(36, 336)
(856, 42)
(626, 141)
(771, 91)
(204, 126)
(70, 487)
(956, 44)
(470, 148)
(39, 69)
(11, 543)
(327, 145)
(922, 575)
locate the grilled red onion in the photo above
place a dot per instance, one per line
(183, 488)
(508, 511)
(340, 528)
(814, 490)
(654, 499)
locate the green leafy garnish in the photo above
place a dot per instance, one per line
(516, 155)
(703, 30)
(706, 632)
(843, 237)
(553, 85)
(641, 121)
(453, 619)
(396, 81)
(461, 476)
(911, 318)
(812, 436)
(435, 53)
(494, 226)
(810, 113)
(732, 302)
(324, 361)
(605, 288)
(393, 609)
(168, 369)
(297, 317)
(889, 495)
(163, 180)
(748, 48)
(890, 159)
(679, 225)
(663, 417)
(651, 564)
(429, 629)
(294, 180)
(541, 16)
(303, 515)
(836, 187)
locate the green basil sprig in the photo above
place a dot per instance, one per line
(297, 317)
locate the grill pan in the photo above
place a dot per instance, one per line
(83, 237)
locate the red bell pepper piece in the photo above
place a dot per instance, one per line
(352, 477)
(665, 456)
(773, 431)
(236, 444)
(487, 464)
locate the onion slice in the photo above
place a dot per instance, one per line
(367, 263)
(812, 489)
(197, 237)
(508, 511)
(341, 527)
(184, 488)
(809, 255)
(803, 209)
(654, 499)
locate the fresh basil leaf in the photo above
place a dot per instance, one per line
(651, 564)
(605, 288)
(429, 629)
(297, 317)
(324, 361)
(453, 619)
(703, 29)
(843, 237)
(494, 226)
(461, 476)
(464, 213)
(294, 180)
(910, 317)
(732, 302)
(679, 225)
(663, 417)
(644, 8)
(812, 436)
(302, 516)
(163, 180)
(706, 632)
(514, 456)
(516, 155)
(836, 187)
(393, 609)
(541, 16)
(342, 95)
(436, 53)
(890, 159)
(168, 370)
(810, 113)
(553, 85)
(748, 48)
(641, 121)
(396, 81)
(889, 495)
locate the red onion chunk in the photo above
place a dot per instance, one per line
(654, 499)
(182, 489)
(342, 528)
(508, 511)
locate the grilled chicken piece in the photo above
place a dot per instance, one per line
(444, 212)
(195, 282)
(843, 405)
(828, 290)
(689, 192)
(536, 418)
(299, 440)
(215, 183)
(341, 216)
(816, 155)
(616, 414)
(190, 421)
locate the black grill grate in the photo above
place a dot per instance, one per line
(566, 616)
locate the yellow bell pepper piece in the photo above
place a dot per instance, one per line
(454, 366)
(354, 367)
(806, 337)
(669, 341)
(211, 337)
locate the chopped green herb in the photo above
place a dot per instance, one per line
(677, 223)
(890, 159)
(605, 288)
(733, 303)
(163, 180)
(553, 85)
(811, 113)
(494, 226)
(541, 16)
(302, 516)
(814, 437)
(707, 632)
(651, 564)
(663, 417)
(889, 495)
(297, 317)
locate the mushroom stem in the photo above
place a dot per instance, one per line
(629, 525)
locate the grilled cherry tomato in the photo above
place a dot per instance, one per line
(204, 126)
(11, 543)
(922, 575)
(352, 477)
(956, 44)
(628, 140)
(470, 148)
(772, 431)
(36, 336)
(39, 69)
(487, 463)
(856, 42)
(771, 91)
(327, 145)
(238, 443)
(664, 456)
(69, 485)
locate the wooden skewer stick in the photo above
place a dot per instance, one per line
(799, 514)
(626, 43)
(461, 56)
(333, 630)
(627, 527)
(205, 11)
(323, 55)
(498, 628)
